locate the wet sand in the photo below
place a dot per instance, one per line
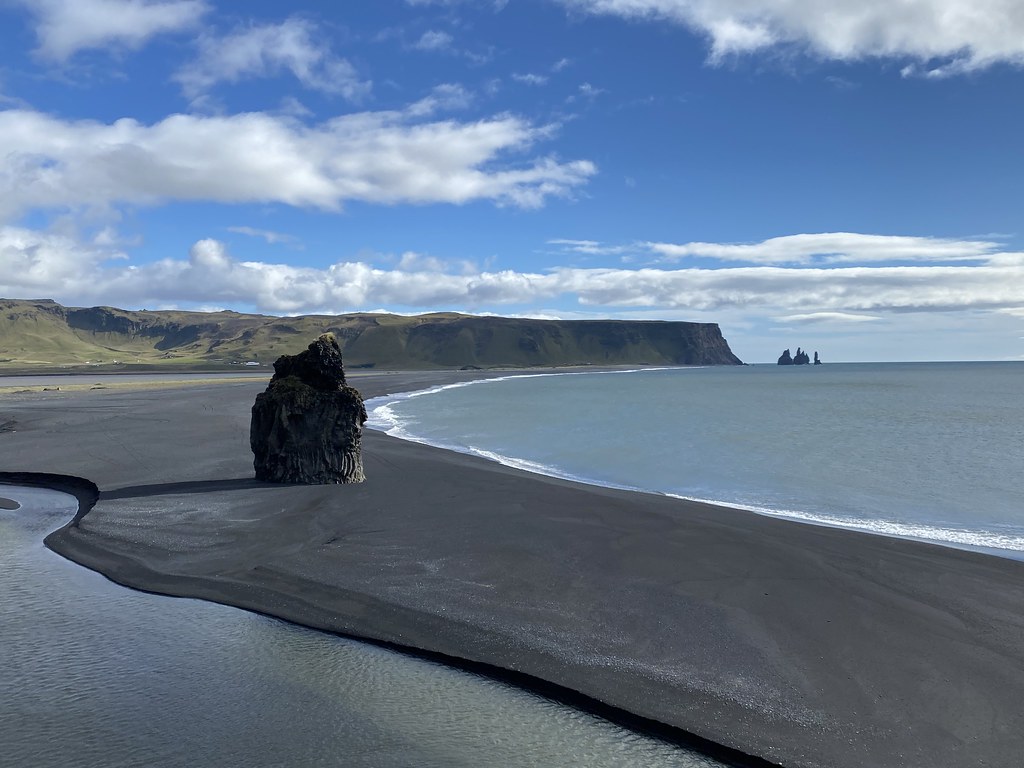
(803, 645)
(8, 503)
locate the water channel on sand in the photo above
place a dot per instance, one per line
(97, 674)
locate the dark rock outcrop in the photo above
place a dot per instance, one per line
(306, 427)
(817, 361)
(800, 358)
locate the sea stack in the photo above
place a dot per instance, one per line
(306, 426)
(800, 358)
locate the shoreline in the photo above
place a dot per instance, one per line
(916, 533)
(802, 644)
(554, 692)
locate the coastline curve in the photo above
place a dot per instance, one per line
(134, 574)
(806, 645)
(82, 489)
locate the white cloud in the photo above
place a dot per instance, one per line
(846, 289)
(827, 317)
(444, 97)
(65, 27)
(588, 247)
(438, 41)
(946, 36)
(433, 40)
(411, 261)
(267, 50)
(293, 107)
(269, 236)
(379, 157)
(497, 5)
(831, 248)
(530, 79)
(39, 264)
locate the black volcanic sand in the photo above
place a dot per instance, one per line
(8, 504)
(804, 645)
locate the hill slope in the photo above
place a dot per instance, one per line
(41, 334)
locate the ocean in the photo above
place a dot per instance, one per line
(929, 451)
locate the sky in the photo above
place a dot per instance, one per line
(847, 177)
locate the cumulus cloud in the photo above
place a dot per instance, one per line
(946, 36)
(831, 248)
(65, 27)
(39, 264)
(379, 157)
(268, 50)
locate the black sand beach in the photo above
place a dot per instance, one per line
(803, 645)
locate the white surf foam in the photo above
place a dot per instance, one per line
(383, 417)
(964, 537)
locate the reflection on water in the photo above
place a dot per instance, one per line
(95, 674)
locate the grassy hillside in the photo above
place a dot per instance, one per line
(43, 335)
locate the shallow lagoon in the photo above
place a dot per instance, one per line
(95, 673)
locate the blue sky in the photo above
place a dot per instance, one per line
(842, 176)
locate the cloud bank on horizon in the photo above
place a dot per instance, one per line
(839, 176)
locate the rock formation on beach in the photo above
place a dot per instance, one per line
(306, 426)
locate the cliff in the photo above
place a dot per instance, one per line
(42, 334)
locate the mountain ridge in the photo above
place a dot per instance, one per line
(41, 334)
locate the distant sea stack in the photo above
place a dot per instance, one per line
(800, 358)
(306, 427)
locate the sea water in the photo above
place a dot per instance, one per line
(931, 451)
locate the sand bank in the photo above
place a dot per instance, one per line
(55, 387)
(807, 646)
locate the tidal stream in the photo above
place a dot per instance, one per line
(96, 674)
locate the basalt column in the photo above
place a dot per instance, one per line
(306, 426)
